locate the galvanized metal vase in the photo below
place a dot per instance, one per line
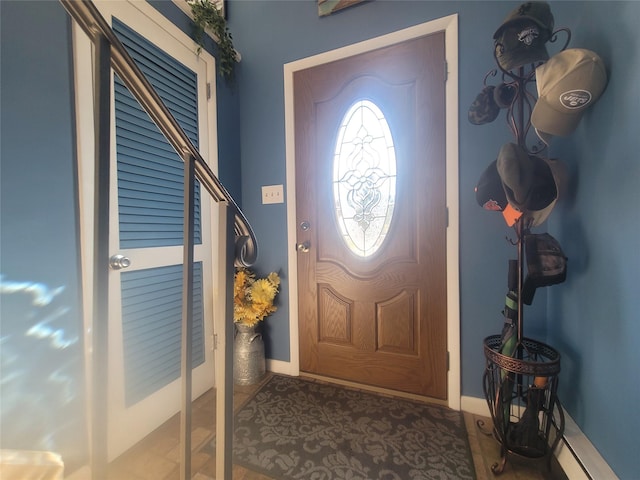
(249, 364)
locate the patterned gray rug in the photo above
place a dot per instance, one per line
(298, 429)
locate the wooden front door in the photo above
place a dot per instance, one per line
(372, 219)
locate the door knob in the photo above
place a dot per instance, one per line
(303, 247)
(118, 262)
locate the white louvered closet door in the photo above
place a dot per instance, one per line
(147, 228)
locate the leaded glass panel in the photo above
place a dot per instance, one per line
(364, 178)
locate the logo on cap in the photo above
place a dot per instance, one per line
(575, 99)
(528, 35)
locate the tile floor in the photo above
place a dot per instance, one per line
(157, 456)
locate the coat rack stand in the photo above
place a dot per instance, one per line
(521, 386)
(521, 389)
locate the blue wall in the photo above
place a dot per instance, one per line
(592, 317)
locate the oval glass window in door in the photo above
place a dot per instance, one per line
(364, 178)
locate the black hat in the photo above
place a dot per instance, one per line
(490, 194)
(484, 109)
(521, 38)
(504, 94)
(536, 12)
(546, 264)
(527, 179)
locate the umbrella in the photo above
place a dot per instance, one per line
(509, 340)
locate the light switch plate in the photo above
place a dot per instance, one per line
(272, 194)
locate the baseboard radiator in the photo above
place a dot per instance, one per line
(577, 456)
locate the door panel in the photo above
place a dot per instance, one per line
(377, 319)
(151, 323)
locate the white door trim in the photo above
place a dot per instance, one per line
(449, 25)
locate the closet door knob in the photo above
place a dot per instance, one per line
(118, 262)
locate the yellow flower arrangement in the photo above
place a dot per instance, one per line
(253, 297)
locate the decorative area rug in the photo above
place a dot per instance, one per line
(299, 429)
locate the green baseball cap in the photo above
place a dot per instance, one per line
(522, 37)
(527, 179)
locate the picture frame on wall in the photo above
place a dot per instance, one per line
(327, 7)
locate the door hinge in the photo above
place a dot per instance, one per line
(446, 71)
(214, 342)
(208, 91)
(448, 362)
(447, 215)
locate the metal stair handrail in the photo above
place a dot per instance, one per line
(93, 24)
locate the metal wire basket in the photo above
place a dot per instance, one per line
(521, 395)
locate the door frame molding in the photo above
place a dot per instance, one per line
(449, 25)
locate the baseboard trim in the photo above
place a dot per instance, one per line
(577, 456)
(281, 367)
(474, 405)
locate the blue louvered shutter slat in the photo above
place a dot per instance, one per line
(152, 327)
(150, 172)
(165, 73)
